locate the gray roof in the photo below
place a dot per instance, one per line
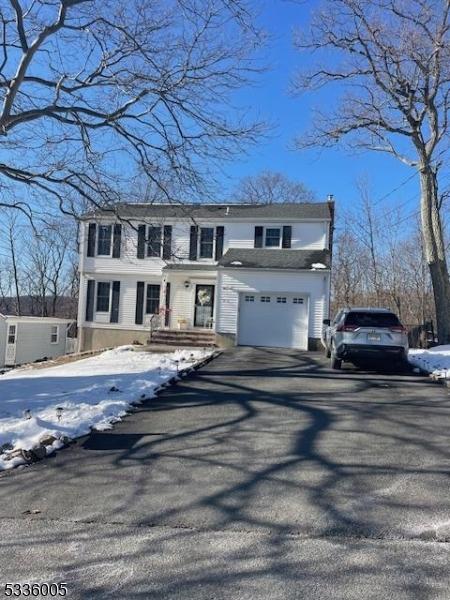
(189, 267)
(300, 210)
(263, 258)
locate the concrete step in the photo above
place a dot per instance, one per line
(184, 337)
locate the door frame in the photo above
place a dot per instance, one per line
(213, 302)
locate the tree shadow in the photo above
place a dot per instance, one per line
(258, 456)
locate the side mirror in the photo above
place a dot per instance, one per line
(326, 322)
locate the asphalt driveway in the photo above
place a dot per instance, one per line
(265, 475)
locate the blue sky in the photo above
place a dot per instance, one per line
(332, 171)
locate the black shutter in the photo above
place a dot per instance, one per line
(114, 316)
(139, 303)
(287, 236)
(117, 240)
(90, 297)
(167, 242)
(219, 241)
(91, 239)
(193, 243)
(141, 242)
(167, 306)
(258, 237)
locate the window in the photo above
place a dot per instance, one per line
(249, 298)
(273, 237)
(103, 289)
(12, 334)
(372, 319)
(281, 300)
(54, 334)
(104, 240)
(265, 298)
(297, 300)
(206, 242)
(154, 241)
(152, 304)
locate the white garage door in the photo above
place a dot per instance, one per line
(273, 319)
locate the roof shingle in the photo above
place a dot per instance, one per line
(263, 258)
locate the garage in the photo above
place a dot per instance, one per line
(275, 319)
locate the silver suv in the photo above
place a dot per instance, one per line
(364, 333)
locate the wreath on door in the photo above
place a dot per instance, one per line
(204, 297)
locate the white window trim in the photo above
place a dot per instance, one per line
(280, 229)
(103, 312)
(204, 258)
(146, 314)
(57, 334)
(110, 245)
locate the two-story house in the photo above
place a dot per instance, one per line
(253, 274)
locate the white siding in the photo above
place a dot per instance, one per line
(306, 235)
(313, 285)
(33, 340)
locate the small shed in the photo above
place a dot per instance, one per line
(27, 339)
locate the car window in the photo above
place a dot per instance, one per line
(372, 319)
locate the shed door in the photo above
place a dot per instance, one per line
(273, 319)
(11, 339)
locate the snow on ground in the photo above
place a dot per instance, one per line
(86, 392)
(435, 360)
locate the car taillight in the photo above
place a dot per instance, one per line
(347, 328)
(398, 329)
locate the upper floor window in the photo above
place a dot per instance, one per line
(206, 248)
(104, 240)
(272, 237)
(54, 334)
(154, 241)
(103, 294)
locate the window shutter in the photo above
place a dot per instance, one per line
(117, 240)
(139, 303)
(219, 241)
(141, 242)
(114, 316)
(258, 237)
(193, 243)
(167, 306)
(287, 236)
(167, 242)
(91, 239)
(90, 297)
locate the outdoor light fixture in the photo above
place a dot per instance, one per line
(187, 283)
(59, 412)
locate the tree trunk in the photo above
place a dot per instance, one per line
(435, 251)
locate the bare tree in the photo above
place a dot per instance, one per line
(270, 187)
(392, 59)
(91, 89)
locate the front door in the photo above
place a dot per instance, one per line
(10, 354)
(204, 305)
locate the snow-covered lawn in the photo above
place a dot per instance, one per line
(435, 360)
(93, 393)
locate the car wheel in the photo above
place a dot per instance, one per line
(335, 362)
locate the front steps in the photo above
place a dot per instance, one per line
(184, 337)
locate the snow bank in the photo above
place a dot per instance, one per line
(317, 266)
(435, 360)
(92, 393)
